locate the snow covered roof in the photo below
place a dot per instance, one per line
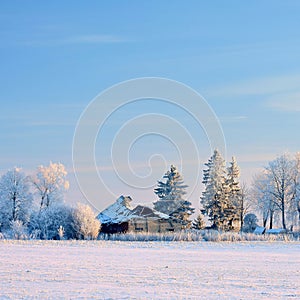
(117, 212)
(121, 211)
(146, 212)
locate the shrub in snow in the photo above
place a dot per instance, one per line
(84, 223)
(46, 223)
(250, 223)
(61, 232)
(18, 230)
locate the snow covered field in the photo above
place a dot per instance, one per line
(129, 270)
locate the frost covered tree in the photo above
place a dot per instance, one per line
(244, 204)
(50, 183)
(263, 198)
(84, 223)
(15, 198)
(282, 174)
(296, 200)
(276, 190)
(198, 223)
(171, 197)
(45, 224)
(215, 196)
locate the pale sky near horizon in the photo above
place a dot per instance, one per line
(242, 57)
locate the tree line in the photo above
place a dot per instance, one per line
(228, 204)
(33, 206)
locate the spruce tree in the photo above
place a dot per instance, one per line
(198, 223)
(234, 206)
(215, 196)
(171, 201)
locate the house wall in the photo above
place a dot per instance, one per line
(152, 225)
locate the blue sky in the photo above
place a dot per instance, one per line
(243, 58)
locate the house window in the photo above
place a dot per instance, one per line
(170, 229)
(138, 228)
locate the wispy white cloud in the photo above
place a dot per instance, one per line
(289, 102)
(265, 86)
(75, 40)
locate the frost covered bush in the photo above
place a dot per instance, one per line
(250, 223)
(18, 230)
(61, 232)
(45, 224)
(84, 223)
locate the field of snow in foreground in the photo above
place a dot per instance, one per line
(128, 270)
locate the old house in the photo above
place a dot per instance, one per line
(121, 217)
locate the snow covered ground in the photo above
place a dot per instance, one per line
(129, 270)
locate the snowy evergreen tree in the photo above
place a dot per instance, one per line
(171, 201)
(215, 196)
(50, 183)
(198, 223)
(15, 198)
(235, 207)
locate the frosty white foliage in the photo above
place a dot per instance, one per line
(45, 224)
(220, 198)
(18, 230)
(85, 225)
(61, 232)
(261, 194)
(50, 183)
(15, 198)
(296, 200)
(276, 191)
(235, 197)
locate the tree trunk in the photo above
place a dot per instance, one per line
(271, 219)
(14, 216)
(283, 213)
(242, 213)
(265, 219)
